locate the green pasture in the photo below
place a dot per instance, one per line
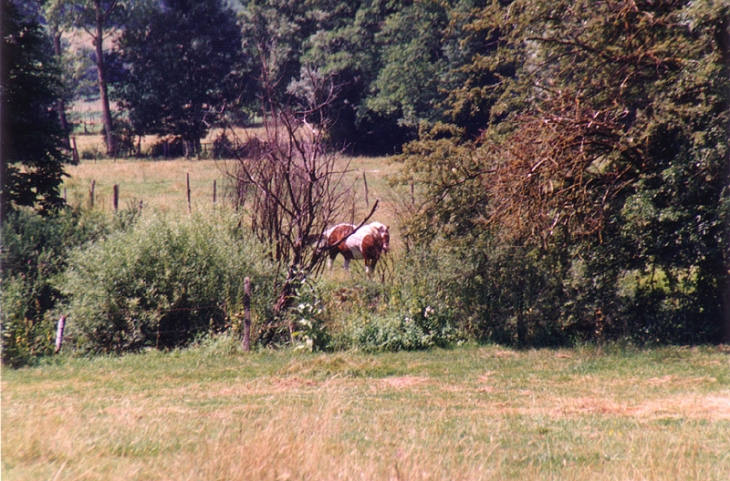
(213, 412)
(162, 183)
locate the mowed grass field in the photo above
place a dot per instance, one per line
(471, 413)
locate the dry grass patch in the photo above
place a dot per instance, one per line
(470, 413)
(158, 184)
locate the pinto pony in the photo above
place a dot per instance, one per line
(368, 242)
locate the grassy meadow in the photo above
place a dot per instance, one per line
(215, 413)
(162, 184)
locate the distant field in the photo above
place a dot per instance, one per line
(161, 184)
(472, 413)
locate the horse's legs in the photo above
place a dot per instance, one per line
(347, 264)
(370, 267)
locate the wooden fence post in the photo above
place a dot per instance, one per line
(365, 179)
(190, 209)
(116, 198)
(75, 151)
(91, 193)
(214, 191)
(247, 314)
(59, 333)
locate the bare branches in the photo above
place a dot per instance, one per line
(559, 170)
(294, 184)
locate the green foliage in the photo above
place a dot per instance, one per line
(604, 160)
(398, 332)
(363, 47)
(32, 140)
(183, 61)
(34, 252)
(308, 317)
(413, 62)
(25, 338)
(414, 308)
(447, 175)
(162, 283)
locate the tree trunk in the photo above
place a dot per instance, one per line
(100, 70)
(722, 38)
(725, 309)
(61, 104)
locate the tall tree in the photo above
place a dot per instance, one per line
(184, 60)
(337, 39)
(413, 62)
(56, 29)
(101, 20)
(32, 140)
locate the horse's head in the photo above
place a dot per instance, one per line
(383, 231)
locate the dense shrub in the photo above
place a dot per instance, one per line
(162, 283)
(412, 309)
(34, 251)
(399, 332)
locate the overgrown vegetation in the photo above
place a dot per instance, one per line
(131, 280)
(162, 283)
(568, 179)
(35, 251)
(593, 198)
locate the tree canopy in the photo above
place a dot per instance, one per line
(32, 137)
(605, 159)
(183, 61)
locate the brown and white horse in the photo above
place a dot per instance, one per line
(368, 242)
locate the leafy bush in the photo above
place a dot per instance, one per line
(308, 318)
(162, 283)
(34, 251)
(413, 309)
(27, 333)
(398, 332)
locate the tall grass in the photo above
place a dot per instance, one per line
(471, 413)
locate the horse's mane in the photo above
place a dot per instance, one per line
(377, 225)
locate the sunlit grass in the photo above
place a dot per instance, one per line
(469, 413)
(162, 184)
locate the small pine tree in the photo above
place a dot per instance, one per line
(32, 138)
